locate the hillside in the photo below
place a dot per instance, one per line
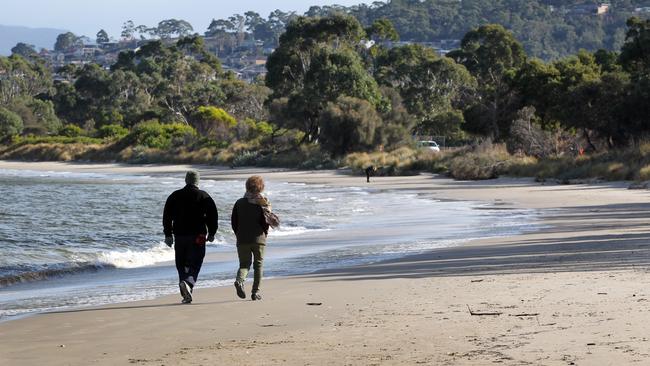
(39, 37)
(547, 29)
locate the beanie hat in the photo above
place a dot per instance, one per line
(192, 177)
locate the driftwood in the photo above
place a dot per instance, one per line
(481, 313)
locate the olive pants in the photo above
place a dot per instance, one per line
(250, 253)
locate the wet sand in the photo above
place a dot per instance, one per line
(574, 293)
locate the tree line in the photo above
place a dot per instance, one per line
(547, 29)
(327, 86)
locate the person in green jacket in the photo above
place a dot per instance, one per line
(251, 229)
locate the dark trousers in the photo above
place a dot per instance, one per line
(189, 258)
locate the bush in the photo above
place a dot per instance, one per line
(10, 123)
(644, 173)
(213, 122)
(112, 132)
(625, 164)
(152, 134)
(527, 137)
(485, 161)
(348, 125)
(250, 129)
(303, 157)
(396, 162)
(246, 158)
(38, 116)
(35, 140)
(71, 130)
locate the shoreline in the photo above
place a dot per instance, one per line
(126, 171)
(593, 232)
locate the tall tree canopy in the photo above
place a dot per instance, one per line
(493, 56)
(66, 41)
(316, 63)
(430, 85)
(102, 37)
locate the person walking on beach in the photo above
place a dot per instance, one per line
(370, 170)
(250, 220)
(189, 215)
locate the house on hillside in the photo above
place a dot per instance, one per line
(589, 9)
(53, 59)
(251, 73)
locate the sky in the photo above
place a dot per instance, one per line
(87, 17)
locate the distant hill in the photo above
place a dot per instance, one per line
(39, 37)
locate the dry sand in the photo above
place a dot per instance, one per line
(574, 293)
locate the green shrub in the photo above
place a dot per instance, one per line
(257, 129)
(264, 128)
(217, 115)
(38, 116)
(71, 130)
(112, 132)
(214, 122)
(10, 123)
(348, 125)
(153, 134)
(303, 157)
(33, 140)
(246, 158)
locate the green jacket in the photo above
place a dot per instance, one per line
(248, 222)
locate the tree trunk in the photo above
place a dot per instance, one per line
(592, 147)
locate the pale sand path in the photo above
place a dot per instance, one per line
(586, 275)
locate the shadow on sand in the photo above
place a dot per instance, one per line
(570, 246)
(136, 306)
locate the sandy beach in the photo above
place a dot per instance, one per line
(573, 293)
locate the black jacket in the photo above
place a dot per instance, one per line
(248, 223)
(189, 211)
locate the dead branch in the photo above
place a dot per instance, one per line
(481, 313)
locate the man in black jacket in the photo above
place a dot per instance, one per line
(187, 214)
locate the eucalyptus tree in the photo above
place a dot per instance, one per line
(25, 50)
(351, 125)
(67, 41)
(493, 56)
(38, 116)
(173, 27)
(21, 78)
(102, 37)
(430, 85)
(382, 30)
(175, 83)
(316, 63)
(634, 53)
(128, 30)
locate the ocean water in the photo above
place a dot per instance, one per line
(78, 239)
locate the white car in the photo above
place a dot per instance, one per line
(431, 145)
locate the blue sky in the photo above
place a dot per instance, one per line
(86, 17)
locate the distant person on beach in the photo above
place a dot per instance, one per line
(189, 216)
(250, 220)
(370, 170)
